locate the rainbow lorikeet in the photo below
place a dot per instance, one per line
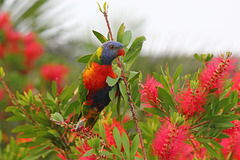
(93, 89)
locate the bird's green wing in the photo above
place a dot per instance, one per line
(82, 91)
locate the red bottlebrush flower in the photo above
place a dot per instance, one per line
(83, 149)
(54, 72)
(169, 140)
(61, 156)
(4, 20)
(236, 83)
(29, 38)
(191, 102)
(215, 72)
(32, 52)
(232, 144)
(29, 87)
(192, 150)
(12, 36)
(149, 92)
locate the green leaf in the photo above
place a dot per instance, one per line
(11, 109)
(224, 124)
(67, 94)
(106, 153)
(221, 118)
(203, 140)
(88, 153)
(120, 33)
(216, 144)
(54, 88)
(57, 117)
(166, 97)
(116, 152)
(104, 6)
(54, 133)
(84, 59)
(127, 38)
(99, 7)
(39, 154)
(133, 51)
(117, 138)
(155, 111)
(31, 11)
(157, 76)
(110, 81)
(99, 36)
(123, 90)
(223, 135)
(70, 108)
(212, 151)
(228, 107)
(24, 128)
(134, 146)
(112, 93)
(163, 81)
(129, 124)
(132, 76)
(199, 58)
(27, 135)
(126, 145)
(102, 131)
(16, 118)
(177, 73)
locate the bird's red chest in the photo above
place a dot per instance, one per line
(95, 77)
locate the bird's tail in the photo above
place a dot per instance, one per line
(91, 121)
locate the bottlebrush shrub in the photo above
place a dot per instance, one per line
(18, 55)
(196, 119)
(17, 50)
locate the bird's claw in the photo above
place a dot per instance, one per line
(79, 125)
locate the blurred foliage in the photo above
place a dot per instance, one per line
(51, 114)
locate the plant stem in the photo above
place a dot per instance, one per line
(198, 125)
(108, 25)
(11, 95)
(134, 115)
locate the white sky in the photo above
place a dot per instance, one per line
(185, 26)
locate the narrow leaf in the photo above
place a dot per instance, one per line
(126, 145)
(166, 97)
(117, 137)
(84, 59)
(120, 33)
(216, 144)
(212, 151)
(99, 36)
(177, 73)
(134, 146)
(155, 111)
(102, 131)
(57, 117)
(127, 38)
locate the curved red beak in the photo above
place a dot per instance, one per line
(121, 52)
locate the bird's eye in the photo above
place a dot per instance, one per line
(111, 47)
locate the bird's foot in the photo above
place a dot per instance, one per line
(80, 124)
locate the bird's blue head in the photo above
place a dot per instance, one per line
(110, 51)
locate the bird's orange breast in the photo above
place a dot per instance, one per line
(95, 76)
